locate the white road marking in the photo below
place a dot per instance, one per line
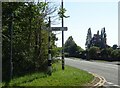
(116, 85)
(110, 83)
(106, 66)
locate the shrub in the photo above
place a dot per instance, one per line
(93, 52)
(115, 54)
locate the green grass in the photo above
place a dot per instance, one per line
(1, 84)
(68, 77)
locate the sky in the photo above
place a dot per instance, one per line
(90, 14)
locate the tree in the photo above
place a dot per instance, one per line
(61, 12)
(30, 50)
(71, 48)
(106, 53)
(93, 52)
(115, 54)
(88, 39)
(115, 46)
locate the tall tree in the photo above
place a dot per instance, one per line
(71, 47)
(88, 39)
(29, 38)
(103, 38)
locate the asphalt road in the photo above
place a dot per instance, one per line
(108, 71)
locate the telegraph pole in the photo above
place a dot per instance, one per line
(63, 61)
(49, 50)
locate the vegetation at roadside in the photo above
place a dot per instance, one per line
(68, 77)
(71, 48)
(93, 53)
(24, 30)
(108, 54)
(97, 47)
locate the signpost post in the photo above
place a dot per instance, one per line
(49, 50)
(62, 39)
(49, 45)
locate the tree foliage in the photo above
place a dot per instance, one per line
(61, 12)
(71, 48)
(93, 52)
(115, 46)
(115, 54)
(109, 54)
(30, 41)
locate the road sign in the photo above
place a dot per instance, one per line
(55, 28)
(59, 28)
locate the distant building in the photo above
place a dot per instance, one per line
(98, 40)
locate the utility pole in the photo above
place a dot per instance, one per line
(0, 43)
(63, 61)
(49, 50)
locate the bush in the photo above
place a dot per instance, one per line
(71, 49)
(115, 54)
(93, 52)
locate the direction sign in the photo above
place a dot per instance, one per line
(55, 28)
(59, 28)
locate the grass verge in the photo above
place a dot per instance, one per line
(68, 77)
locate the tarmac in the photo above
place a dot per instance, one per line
(98, 81)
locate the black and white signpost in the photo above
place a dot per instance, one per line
(50, 29)
(49, 50)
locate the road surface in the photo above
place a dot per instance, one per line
(108, 71)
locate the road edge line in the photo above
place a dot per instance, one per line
(101, 82)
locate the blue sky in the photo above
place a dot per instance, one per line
(95, 15)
